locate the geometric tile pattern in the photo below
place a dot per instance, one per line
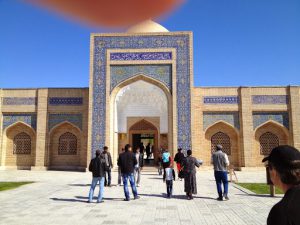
(120, 73)
(270, 99)
(178, 41)
(55, 119)
(221, 100)
(19, 101)
(65, 101)
(28, 118)
(140, 56)
(209, 118)
(262, 117)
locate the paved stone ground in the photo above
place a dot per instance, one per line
(60, 198)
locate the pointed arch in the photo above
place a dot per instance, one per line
(65, 146)
(225, 134)
(143, 125)
(19, 145)
(267, 136)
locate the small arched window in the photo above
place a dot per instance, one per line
(223, 139)
(67, 144)
(267, 142)
(22, 144)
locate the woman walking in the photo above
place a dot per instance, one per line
(189, 168)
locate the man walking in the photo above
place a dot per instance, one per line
(138, 167)
(108, 166)
(127, 162)
(220, 162)
(97, 167)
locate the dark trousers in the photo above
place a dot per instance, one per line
(107, 181)
(169, 187)
(221, 177)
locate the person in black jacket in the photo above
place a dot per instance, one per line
(97, 167)
(283, 166)
(127, 162)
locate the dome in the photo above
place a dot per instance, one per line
(147, 26)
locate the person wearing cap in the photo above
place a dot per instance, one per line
(220, 162)
(97, 167)
(283, 165)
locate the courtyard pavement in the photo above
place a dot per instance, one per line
(60, 198)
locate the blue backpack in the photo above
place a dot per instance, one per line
(166, 157)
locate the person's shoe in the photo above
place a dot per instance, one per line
(137, 197)
(100, 201)
(138, 185)
(220, 199)
(226, 197)
(188, 198)
(88, 201)
(126, 199)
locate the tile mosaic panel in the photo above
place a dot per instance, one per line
(209, 118)
(19, 101)
(270, 99)
(55, 119)
(65, 101)
(128, 56)
(28, 118)
(220, 100)
(178, 41)
(262, 117)
(120, 73)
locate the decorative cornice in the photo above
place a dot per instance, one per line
(128, 56)
(19, 100)
(270, 99)
(65, 101)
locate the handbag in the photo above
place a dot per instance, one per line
(181, 173)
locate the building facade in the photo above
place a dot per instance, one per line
(141, 88)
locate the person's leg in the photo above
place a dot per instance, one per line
(225, 184)
(125, 184)
(218, 177)
(109, 177)
(93, 185)
(101, 189)
(105, 178)
(138, 176)
(171, 188)
(168, 188)
(132, 184)
(119, 176)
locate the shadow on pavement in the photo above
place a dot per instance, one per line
(257, 195)
(67, 200)
(104, 198)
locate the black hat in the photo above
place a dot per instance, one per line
(283, 156)
(219, 147)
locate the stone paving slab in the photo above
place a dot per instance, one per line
(60, 198)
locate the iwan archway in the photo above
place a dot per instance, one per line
(141, 107)
(163, 59)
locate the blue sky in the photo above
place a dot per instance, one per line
(236, 43)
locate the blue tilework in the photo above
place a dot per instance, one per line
(120, 73)
(209, 118)
(28, 118)
(270, 99)
(220, 99)
(65, 101)
(121, 56)
(262, 117)
(55, 119)
(19, 101)
(181, 42)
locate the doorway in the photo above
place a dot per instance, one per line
(144, 134)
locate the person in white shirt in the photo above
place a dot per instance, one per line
(169, 176)
(220, 162)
